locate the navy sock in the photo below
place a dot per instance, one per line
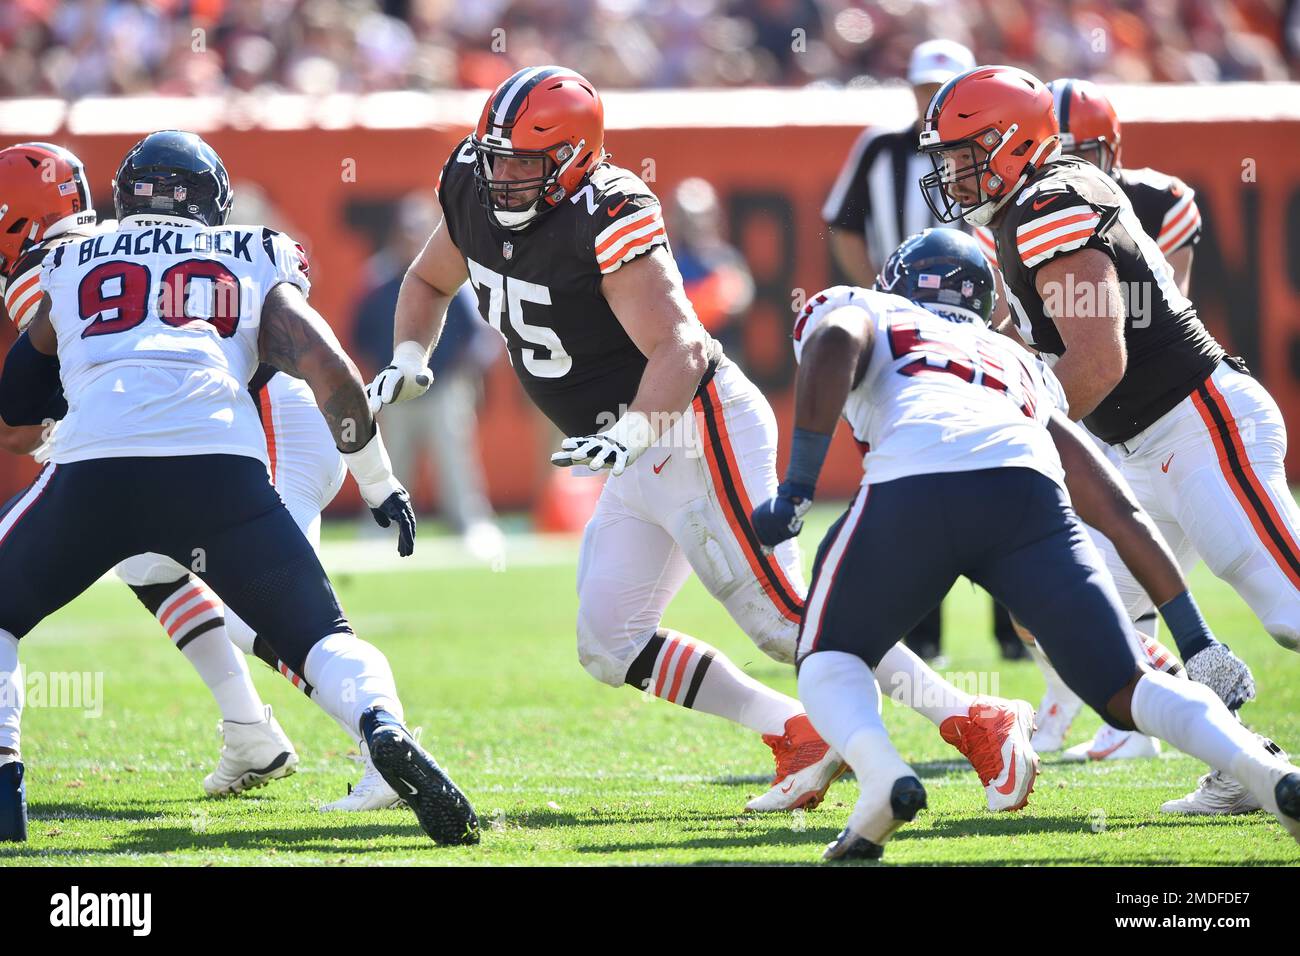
(374, 718)
(1188, 627)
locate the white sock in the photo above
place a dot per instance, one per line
(350, 676)
(906, 678)
(225, 672)
(693, 674)
(1055, 685)
(843, 704)
(239, 633)
(195, 618)
(1190, 716)
(242, 636)
(11, 696)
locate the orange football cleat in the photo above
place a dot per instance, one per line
(805, 768)
(994, 737)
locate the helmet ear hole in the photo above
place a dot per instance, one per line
(1023, 148)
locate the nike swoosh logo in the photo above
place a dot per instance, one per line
(1165, 466)
(613, 210)
(788, 787)
(1009, 768)
(659, 467)
(1103, 754)
(1039, 204)
(409, 786)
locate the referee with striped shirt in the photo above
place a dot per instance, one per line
(875, 204)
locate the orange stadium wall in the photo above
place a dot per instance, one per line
(334, 187)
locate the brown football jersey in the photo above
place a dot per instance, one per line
(1071, 205)
(540, 287)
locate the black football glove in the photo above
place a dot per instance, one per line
(397, 507)
(781, 518)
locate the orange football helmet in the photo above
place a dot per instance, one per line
(985, 130)
(548, 114)
(1089, 126)
(43, 194)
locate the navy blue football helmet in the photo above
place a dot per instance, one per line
(173, 173)
(944, 271)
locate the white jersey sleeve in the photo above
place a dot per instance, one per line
(824, 303)
(289, 257)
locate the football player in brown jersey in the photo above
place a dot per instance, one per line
(1199, 440)
(569, 258)
(1166, 208)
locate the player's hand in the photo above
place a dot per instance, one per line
(781, 518)
(397, 508)
(382, 492)
(1224, 673)
(615, 448)
(597, 451)
(406, 377)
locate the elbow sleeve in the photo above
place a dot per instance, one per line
(30, 390)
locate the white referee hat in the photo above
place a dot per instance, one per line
(937, 61)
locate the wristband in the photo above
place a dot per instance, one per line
(1188, 627)
(807, 454)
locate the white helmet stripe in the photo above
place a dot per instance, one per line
(508, 100)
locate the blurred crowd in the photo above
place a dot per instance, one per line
(75, 48)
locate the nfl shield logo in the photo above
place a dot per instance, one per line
(507, 249)
(968, 288)
(179, 194)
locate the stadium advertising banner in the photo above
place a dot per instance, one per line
(333, 184)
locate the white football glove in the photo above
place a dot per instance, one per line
(406, 377)
(615, 448)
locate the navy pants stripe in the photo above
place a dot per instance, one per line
(217, 515)
(902, 544)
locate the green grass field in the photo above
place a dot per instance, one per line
(564, 770)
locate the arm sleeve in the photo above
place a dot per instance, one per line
(30, 390)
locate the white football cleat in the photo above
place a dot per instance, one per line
(1112, 744)
(994, 736)
(1216, 794)
(887, 801)
(372, 791)
(1055, 715)
(805, 768)
(252, 755)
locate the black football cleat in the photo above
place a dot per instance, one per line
(1287, 793)
(865, 836)
(13, 803)
(443, 811)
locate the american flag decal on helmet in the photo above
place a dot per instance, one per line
(928, 280)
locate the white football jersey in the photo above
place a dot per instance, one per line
(939, 395)
(157, 328)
